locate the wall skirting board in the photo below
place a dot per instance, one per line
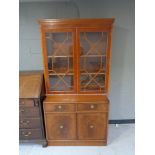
(122, 121)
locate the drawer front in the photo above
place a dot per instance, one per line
(29, 123)
(92, 126)
(92, 107)
(30, 134)
(51, 107)
(28, 112)
(26, 102)
(60, 126)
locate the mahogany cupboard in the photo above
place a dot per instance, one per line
(76, 56)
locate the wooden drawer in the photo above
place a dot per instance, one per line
(28, 112)
(30, 134)
(92, 126)
(60, 126)
(26, 102)
(51, 107)
(29, 123)
(92, 107)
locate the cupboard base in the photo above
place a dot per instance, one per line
(77, 143)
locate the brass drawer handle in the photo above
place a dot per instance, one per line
(26, 135)
(22, 102)
(61, 126)
(59, 107)
(22, 110)
(25, 122)
(36, 103)
(91, 126)
(92, 106)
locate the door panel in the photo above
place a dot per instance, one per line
(92, 126)
(60, 55)
(93, 44)
(61, 126)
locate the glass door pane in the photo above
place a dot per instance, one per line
(93, 61)
(59, 46)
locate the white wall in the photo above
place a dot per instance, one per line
(30, 57)
(122, 68)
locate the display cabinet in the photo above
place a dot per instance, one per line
(76, 56)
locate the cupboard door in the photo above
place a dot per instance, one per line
(60, 60)
(61, 126)
(92, 126)
(93, 45)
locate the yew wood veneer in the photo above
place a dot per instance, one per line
(76, 57)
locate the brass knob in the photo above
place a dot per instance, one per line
(26, 135)
(92, 106)
(36, 103)
(91, 126)
(59, 107)
(25, 122)
(22, 102)
(61, 126)
(22, 110)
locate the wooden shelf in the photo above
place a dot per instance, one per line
(92, 87)
(62, 72)
(93, 55)
(59, 56)
(68, 74)
(92, 72)
(69, 89)
(71, 73)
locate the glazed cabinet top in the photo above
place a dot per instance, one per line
(30, 85)
(76, 55)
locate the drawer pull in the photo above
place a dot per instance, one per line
(22, 102)
(26, 135)
(59, 107)
(92, 106)
(36, 103)
(25, 122)
(22, 110)
(61, 126)
(91, 126)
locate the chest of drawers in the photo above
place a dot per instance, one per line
(31, 94)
